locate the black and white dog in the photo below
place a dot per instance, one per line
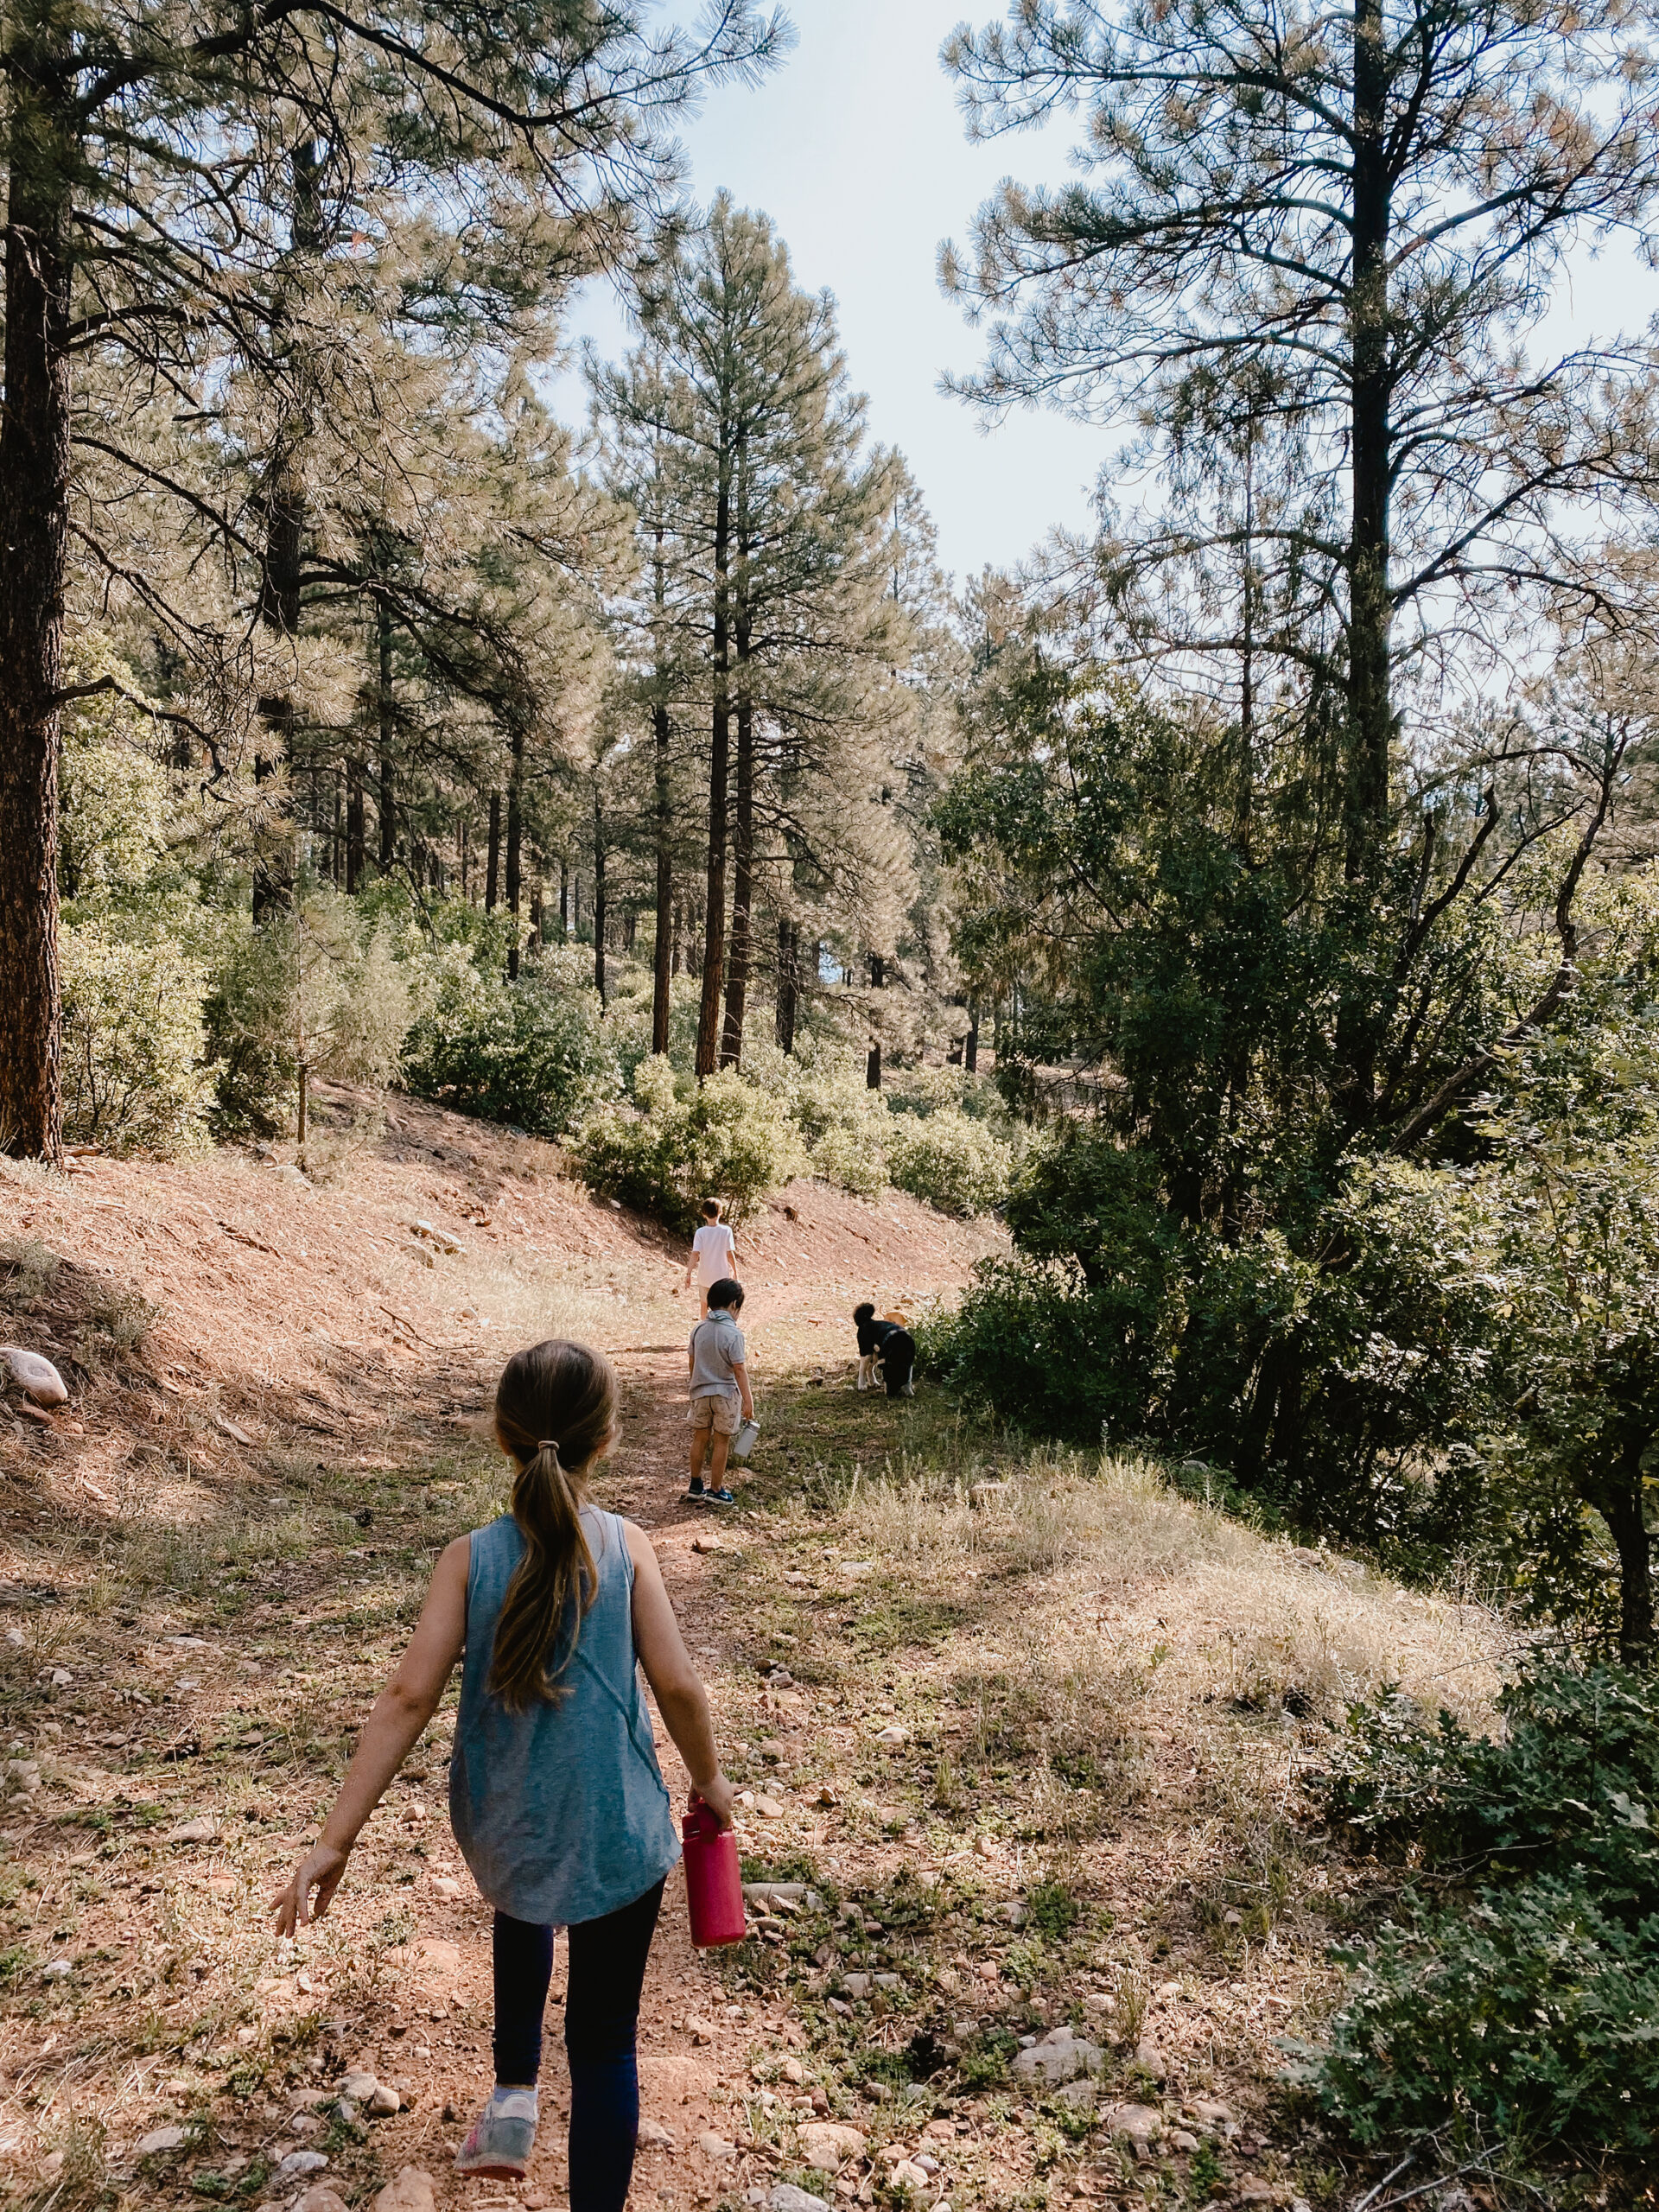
(886, 1353)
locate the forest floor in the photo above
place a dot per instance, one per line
(1038, 1752)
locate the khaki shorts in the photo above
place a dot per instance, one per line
(718, 1413)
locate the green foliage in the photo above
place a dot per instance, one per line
(949, 1161)
(1051, 1910)
(726, 1140)
(925, 1091)
(1532, 2014)
(320, 987)
(1529, 2005)
(116, 804)
(532, 1053)
(133, 1036)
(1034, 1345)
(853, 1157)
(131, 946)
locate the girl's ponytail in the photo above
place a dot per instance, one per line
(554, 1407)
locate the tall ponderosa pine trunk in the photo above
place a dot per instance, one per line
(663, 949)
(598, 895)
(1370, 714)
(34, 529)
(514, 839)
(356, 827)
(714, 943)
(1369, 612)
(492, 860)
(662, 800)
(789, 983)
(385, 709)
(738, 954)
(281, 583)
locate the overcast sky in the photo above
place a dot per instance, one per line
(856, 149)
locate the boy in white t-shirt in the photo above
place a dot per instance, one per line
(714, 1253)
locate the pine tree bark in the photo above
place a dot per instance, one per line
(515, 840)
(33, 530)
(789, 954)
(1369, 612)
(662, 950)
(1370, 716)
(493, 860)
(356, 827)
(713, 941)
(737, 959)
(599, 896)
(280, 580)
(388, 794)
(662, 734)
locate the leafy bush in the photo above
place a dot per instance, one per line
(1034, 1343)
(1530, 2004)
(320, 987)
(133, 1038)
(527, 1052)
(949, 1161)
(923, 1090)
(853, 1157)
(725, 1139)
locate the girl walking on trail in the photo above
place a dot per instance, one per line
(714, 1254)
(557, 1802)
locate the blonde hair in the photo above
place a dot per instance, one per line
(555, 1408)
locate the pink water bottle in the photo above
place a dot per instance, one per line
(714, 1882)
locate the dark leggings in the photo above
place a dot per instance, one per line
(601, 2010)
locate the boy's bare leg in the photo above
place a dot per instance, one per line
(703, 1294)
(718, 1447)
(699, 1438)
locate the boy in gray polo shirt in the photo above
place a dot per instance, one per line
(720, 1392)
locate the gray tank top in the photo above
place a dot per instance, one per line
(560, 1811)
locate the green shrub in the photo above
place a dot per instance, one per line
(924, 1090)
(726, 1140)
(855, 1158)
(1032, 1343)
(321, 986)
(528, 1052)
(1533, 2014)
(949, 1161)
(1530, 2004)
(132, 1033)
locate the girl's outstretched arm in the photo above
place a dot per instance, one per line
(401, 1712)
(675, 1682)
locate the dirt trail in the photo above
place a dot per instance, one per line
(209, 1559)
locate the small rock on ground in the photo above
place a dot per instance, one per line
(787, 2198)
(1060, 2056)
(204, 1829)
(411, 2191)
(30, 1372)
(651, 2135)
(302, 2162)
(160, 2138)
(828, 2142)
(321, 2198)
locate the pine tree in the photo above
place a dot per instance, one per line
(150, 155)
(769, 528)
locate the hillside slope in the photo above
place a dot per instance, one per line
(1046, 1743)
